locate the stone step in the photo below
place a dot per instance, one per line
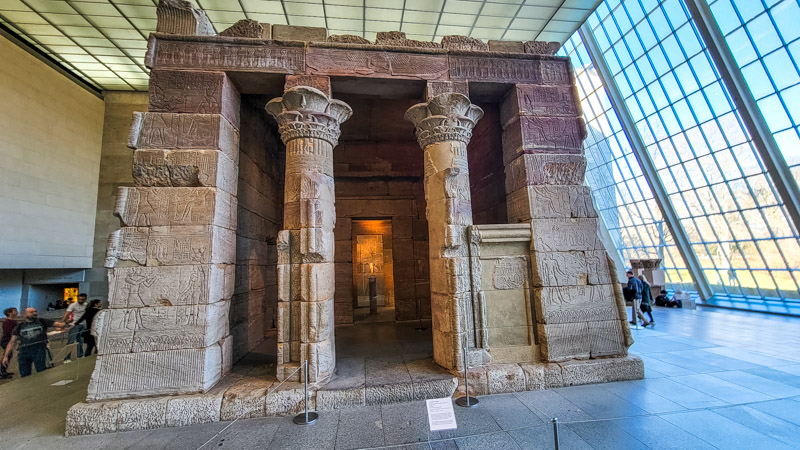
(385, 394)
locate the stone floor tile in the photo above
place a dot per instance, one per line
(778, 374)
(721, 389)
(406, 423)
(246, 434)
(666, 368)
(599, 403)
(490, 441)
(548, 404)
(471, 421)
(541, 437)
(680, 394)
(319, 436)
(604, 434)
(751, 356)
(758, 383)
(690, 364)
(764, 423)
(722, 432)
(783, 409)
(509, 412)
(386, 370)
(360, 428)
(642, 398)
(449, 444)
(656, 432)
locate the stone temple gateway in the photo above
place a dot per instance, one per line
(266, 155)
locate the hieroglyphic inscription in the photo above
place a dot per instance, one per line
(184, 168)
(563, 341)
(560, 269)
(564, 235)
(381, 64)
(190, 245)
(509, 273)
(143, 207)
(556, 71)
(535, 134)
(477, 68)
(214, 55)
(605, 338)
(530, 99)
(181, 131)
(193, 92)
(136, 287)
(567, 304)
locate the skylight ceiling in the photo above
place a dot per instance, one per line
(103, 41)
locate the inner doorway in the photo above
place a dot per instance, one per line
(373, 271)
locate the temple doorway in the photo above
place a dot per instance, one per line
(373, 271)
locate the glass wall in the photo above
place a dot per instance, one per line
(716, 181)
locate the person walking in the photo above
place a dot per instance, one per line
(74, 312)
(647, 299)
(635, 288)
(88, 317)
(31, 334)
(8, 329)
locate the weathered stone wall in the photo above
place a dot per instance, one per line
(378, 172)
(486, 170)
(260, 217)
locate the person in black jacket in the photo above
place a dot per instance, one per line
(88, 317)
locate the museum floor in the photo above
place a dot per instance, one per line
(715, 379)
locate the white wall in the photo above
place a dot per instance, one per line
(10, 289)
(50, 140)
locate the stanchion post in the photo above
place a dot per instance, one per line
(306, 418)
(555, 433)
(466, 401)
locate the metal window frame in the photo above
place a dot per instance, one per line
(754, 121)
(648, 167)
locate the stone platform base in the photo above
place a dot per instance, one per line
(249, 397)
(507, 378)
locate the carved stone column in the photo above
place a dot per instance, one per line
(308, 121)
(444, 127)
(172, 263)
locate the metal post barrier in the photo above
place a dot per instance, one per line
(306, 418)
(466, 401)
(555, 433)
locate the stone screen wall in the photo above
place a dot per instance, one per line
(260, 194)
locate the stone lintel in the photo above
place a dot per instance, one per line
(182, 91)
(184, 131)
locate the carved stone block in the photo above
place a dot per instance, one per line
(606, 338)
(544, 169)
(398, 39)
(246, 28)
(375, 63)
(573, 304)
(177, 91)
(464, 43)
(542, 376)
(505, 378)
(604, 370)
(554, 269)
(316, 245)
(488, 69)
(317, 320)
(155, 206)
(172, 246)
(184, 131)
(133, 330)
(564, 235)
(320, 82)
(213, 55)
(181, 17)
(317, 281)
(245, 400)
(184, 168)
(542, 47)
(510, 273)
(556, 71)
(142, 414)
(506, 46)
(563, 341)
(146, 374)
(136, 287)
(436, 87)
(539, 100)
(550, 202)
(321, 357)
(193, 409)
(92, 418)
(347, 39)
(297, 33)
(537, 134)
(599, 271)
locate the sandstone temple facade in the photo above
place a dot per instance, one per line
(265, 156)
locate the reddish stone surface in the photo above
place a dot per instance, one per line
(538, 100)
(534, 134)
(179, 91)
(556, 71)
(375, 64)
(210, 54)
(322, 83)
(484, 69)
(434, 88)
(486, 171)
(545, 169)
